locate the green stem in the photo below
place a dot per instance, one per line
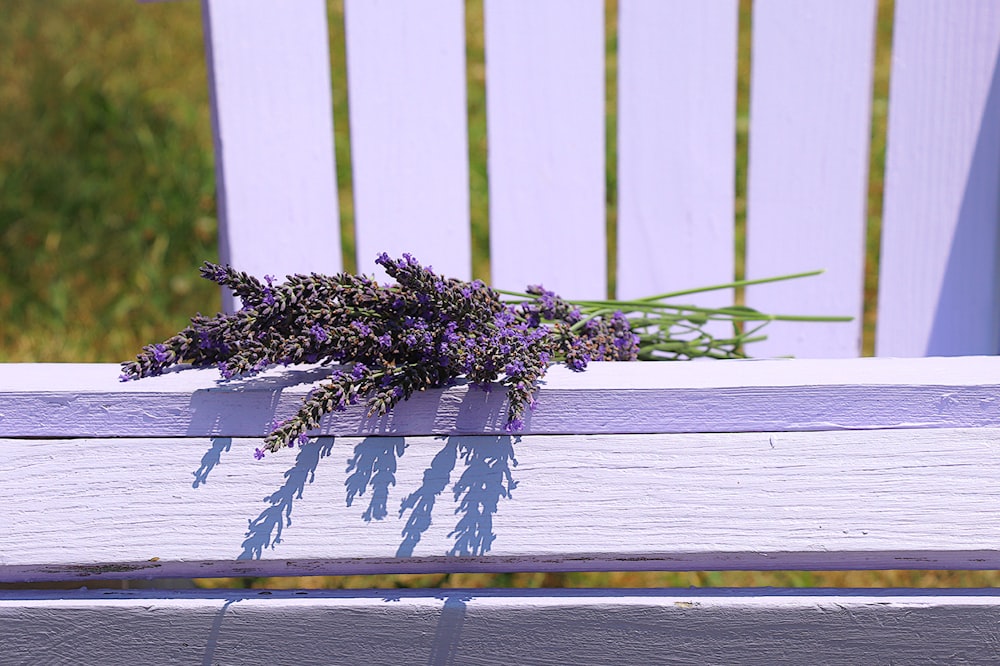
(728, 314)
(731, 285)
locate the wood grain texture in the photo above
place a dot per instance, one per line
(409, 137)
(500, 626)
(545, 113)
(269, 84)
(810, 100)
(81, 400)
(202, 507)
(676, 147)
(938, 288)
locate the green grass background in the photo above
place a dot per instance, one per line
(107, 209)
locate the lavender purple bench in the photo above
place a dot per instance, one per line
(825, 462)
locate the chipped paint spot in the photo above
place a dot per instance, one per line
(947, 401)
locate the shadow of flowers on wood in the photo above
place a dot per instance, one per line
(374, 465)
(487, 478)
(484, 481)
(265, 530)
(420, 502)
(211, 458)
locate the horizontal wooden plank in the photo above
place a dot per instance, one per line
(87, 400)
(491, 626)
(122, 508)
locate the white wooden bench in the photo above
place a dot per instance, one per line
(814, 463)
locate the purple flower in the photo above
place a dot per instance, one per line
(319, 333)
(514, 425)
(515, 367)
(504, 317)
(420, 332)
(258, 454)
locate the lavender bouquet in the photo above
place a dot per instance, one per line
(386, 342)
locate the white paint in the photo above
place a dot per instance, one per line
(810, 101)
(938, 289)
(269, 79)
(180, 507)
(54, 378)
(676, 147)
(924, 497)
(480, 627)
(409, 137)
(545, 112)
(66, 400)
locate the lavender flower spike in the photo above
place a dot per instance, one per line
(387, 342)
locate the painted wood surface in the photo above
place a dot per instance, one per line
(269, 83)
(676, 146)
(84, 400)
(545, 111)
(939, 292)
(810, 100)
(409, 136)
(194, 507)
(499, 626)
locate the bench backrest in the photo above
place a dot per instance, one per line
(809, 125)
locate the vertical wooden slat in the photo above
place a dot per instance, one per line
(545, 112)
(269, 79)
(409, 138)
(938, 285)
(677, 106)
(810, 101)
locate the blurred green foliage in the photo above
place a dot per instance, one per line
(107, 208)
(106, 179)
